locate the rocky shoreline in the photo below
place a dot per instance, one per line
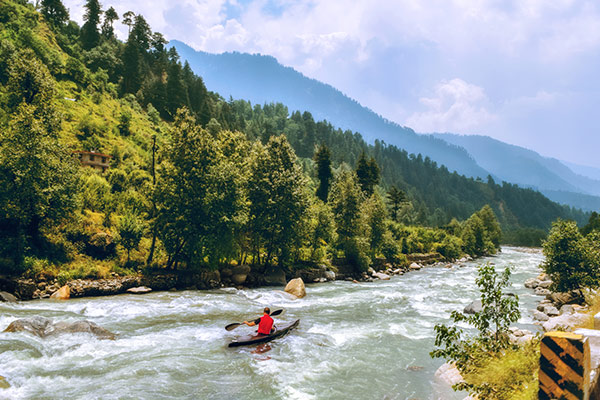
(237, 276)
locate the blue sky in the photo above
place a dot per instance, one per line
(522, 71)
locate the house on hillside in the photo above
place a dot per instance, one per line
(92, 159)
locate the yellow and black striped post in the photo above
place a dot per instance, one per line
(564, 366)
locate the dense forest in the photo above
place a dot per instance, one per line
(198, 181)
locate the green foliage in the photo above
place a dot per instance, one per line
(131, 229)
(592, 225)
(37, 174)
(54, 12)
(396, 198)
(572, 260)
(481, 233)
(367, 173)
(346, 199)
(278, 198)
(90, 35)
(499, 310)
(324, 173)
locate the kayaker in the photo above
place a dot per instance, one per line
(265, 324)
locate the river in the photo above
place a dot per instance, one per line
(354, 341)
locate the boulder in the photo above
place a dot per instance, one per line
(382, 276)
(567, 309)
(239, 274)
(329, 275)
(44, 327)
(543, 277)
(275, 276)
(531, 283)
(7, 297)
(64, 293)
(415, 266)
(474, 307)
(296, 287)
(448, 374)
(565, 322)
(541, 291)
(139, 290)
(540, 316)
(560, 298)
(81, 327)
(545, 284)
(25, 288)
(3, 383)
(551, 311)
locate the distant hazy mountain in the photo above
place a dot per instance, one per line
(590, 172)
(529, 169)
(261, 79)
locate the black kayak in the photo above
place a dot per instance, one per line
(254, 339)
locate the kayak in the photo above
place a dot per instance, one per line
(254, 339)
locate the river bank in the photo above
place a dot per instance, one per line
(243, 276)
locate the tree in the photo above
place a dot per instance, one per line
(346, 199)
(324, 173)
(200, 198)
(491, 225)
(90, 35)
(571, 259)
(128, 20)
(499, 310)
(592, 225)
(131, 230)
(37, 174)
(367, 172)
(110, 16)
(376, 218)
(278, 199)
(396, 197)
(54, 12)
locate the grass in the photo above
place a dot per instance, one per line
(507, 376)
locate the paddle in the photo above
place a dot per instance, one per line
(231, 327)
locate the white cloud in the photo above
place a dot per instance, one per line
(456, 106)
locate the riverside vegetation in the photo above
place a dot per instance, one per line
(491, 366)
(197, 182)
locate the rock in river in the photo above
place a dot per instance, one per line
(44, 327)
(139, 290)
(64, 293)
(296, 287)
(474, 307)
(7, 297)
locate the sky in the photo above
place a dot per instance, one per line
(521, 71)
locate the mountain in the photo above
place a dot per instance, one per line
(529, 169)
(261, 79)
(585, 170)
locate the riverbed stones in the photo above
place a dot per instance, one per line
(239, 274)
(540, 316)
(565, 322)
(275, 276)
(567, 309)
(415, 267)
(64, 293)
(329, 275)
(551, 311)
(296, 287)
(7, 297)
(540, 291)
(43, 327)
(382, 276)
(474, 307)
(139, 290)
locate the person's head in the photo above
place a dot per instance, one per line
(267, 310)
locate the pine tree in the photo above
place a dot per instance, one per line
(90, 35)
(324, 172)
(108, 31)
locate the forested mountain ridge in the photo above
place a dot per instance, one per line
(548, 175)
(261, 79)
(198, 181)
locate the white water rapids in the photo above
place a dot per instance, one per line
(354, 341)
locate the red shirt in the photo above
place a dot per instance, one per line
(265, 324)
